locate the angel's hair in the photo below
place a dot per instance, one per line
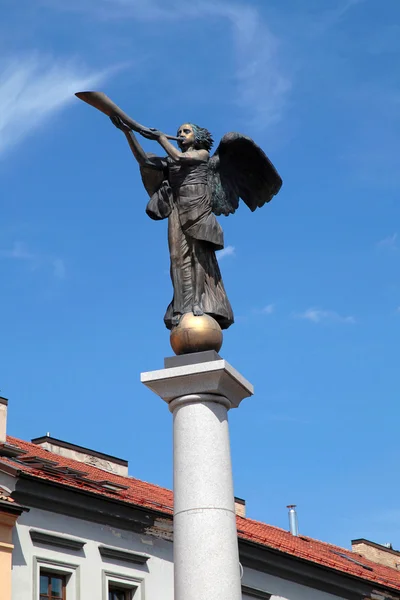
(202, 137)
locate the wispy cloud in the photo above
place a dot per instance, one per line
(17, 252)
(32, 89)
(335, 15)
(269, 309)
(265, 310)
(261, 82)
(316, 315)
(389, 242)
(20, 252)
(228, 251)
(59, 269)
(325, 18)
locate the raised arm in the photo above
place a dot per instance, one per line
(192, 156)
(137, 150)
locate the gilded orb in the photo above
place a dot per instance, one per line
(196, 334)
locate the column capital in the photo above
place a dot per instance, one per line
(211, 377)
(195, 398)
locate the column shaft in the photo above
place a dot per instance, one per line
(205, 537)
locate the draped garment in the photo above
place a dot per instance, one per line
(194, 234)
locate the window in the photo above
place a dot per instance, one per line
(118, 593)
(55, 580)
(52, 586)
(117, 586)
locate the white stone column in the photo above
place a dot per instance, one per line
(206, 559)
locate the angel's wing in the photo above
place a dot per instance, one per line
(240, 169)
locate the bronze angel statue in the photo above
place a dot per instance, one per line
(190, 187)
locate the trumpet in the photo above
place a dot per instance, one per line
(103, 103)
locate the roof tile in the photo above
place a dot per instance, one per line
(148, 495)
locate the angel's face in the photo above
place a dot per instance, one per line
(186, 133)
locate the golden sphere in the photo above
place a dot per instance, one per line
(196, 334)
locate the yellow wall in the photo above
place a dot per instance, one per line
(7, 522)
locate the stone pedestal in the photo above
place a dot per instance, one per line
(199, 395)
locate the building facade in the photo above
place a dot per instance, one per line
(75, 526)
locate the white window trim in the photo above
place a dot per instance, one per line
(59, 568)
(133, 583)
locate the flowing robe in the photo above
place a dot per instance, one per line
(194, 235)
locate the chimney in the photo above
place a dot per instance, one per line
(383, 554)
(109, 463)
(3, 419)
(293, 522)
(240, 507)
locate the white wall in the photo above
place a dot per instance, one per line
(87, 567)
(87, 581)
(7, 481)
(281, 589)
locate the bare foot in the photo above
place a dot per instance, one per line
(175, 319)
(197, 310)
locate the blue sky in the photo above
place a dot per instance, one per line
(313, 277)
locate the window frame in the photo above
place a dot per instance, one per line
(51, 574)
(128, 583)
(71, 573)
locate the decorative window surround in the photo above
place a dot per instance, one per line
(124, 555)
(134, 584)
(71, 571)
(51, 539)
(255, 593)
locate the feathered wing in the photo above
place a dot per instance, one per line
(240, 169)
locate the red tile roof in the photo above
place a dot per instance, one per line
(6, 498)
(148, 495)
